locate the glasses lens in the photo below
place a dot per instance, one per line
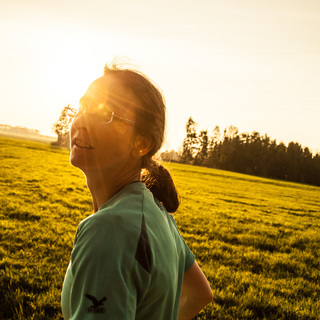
(101, 111)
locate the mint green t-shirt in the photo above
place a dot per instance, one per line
(127, 262)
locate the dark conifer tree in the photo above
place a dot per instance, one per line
(190, 142)
(202, 153)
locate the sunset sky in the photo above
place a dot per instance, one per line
(251, 64)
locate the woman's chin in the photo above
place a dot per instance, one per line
(76, 161)
(85, 165)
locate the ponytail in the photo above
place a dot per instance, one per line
(159, 181)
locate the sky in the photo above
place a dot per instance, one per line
(251, 64)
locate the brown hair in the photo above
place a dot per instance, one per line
(150, 122)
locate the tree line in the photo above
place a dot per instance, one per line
(253, 154)
(18, 130)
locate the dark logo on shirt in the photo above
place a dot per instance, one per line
(97, 305)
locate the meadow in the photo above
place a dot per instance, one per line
(257, 240)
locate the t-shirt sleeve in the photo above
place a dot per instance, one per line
(106, 278)
(190, 258)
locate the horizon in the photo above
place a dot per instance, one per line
(252, 65)
(36, 133)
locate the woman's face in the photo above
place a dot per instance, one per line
(96, 144)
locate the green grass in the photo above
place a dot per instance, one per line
(257, 240)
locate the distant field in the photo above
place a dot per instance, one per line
(36, 138)
(257, 240)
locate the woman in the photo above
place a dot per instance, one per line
(129, 260)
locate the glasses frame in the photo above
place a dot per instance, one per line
(122, 119)
(73, 114)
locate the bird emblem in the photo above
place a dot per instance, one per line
(95, 301)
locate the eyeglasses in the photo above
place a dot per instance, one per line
(106, 115)
(111, 115)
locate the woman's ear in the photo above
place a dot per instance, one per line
(142, 145)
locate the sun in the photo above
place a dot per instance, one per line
(78, 62)
(72, 72)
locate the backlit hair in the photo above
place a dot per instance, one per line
(150, 122)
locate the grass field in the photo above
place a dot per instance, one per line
(257, 240)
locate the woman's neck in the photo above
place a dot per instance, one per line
(103, 186)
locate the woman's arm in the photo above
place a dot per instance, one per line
(195, 294)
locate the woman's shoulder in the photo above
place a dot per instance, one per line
(124, 211)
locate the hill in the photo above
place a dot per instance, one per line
(257, 240)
